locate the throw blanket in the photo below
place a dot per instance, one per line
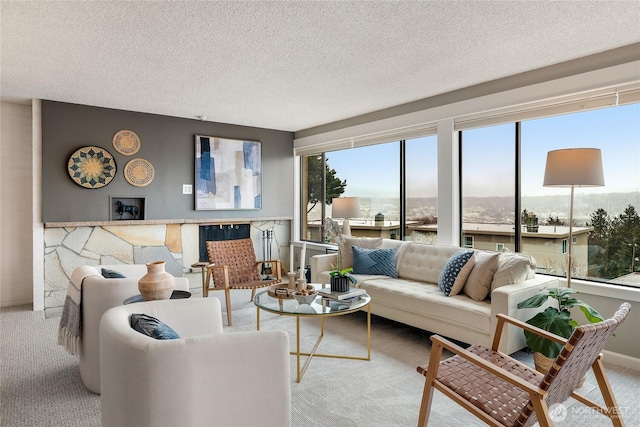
(70, 323)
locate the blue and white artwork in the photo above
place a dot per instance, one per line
(228, 174)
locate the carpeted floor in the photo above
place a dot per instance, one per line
(40, 383)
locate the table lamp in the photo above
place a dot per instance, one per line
(573, 167)
(345, 207)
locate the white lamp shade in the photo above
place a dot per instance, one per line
(345, 207)
(579, 167)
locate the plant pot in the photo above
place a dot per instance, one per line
(157, 283)
(543, 363)
(339, 284)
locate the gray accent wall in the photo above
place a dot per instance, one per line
(166, 142)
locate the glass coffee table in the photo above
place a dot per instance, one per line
(319, 308)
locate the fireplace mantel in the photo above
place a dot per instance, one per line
(202, 221)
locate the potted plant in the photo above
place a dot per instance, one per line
(340, 279)
(554, 319)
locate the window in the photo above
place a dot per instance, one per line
(468, 241)
(488, 186)
(606, 222)
(421, 188)
(373, 175)
(606, 219)
(370, 173)
(504, 205)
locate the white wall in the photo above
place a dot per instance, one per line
(16, 177)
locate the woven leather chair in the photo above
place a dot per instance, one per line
(504, 392)
(235, 267)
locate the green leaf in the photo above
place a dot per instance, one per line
(590, 313)
(536, 300)
(551, 320)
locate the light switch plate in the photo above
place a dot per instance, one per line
(187, 189)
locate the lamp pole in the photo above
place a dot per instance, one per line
(633, 257)
(569, 260)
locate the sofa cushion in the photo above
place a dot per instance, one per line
(112, 274)
(424, 262)
(399, 245)
(152, 327)
(479, 281)
(374, 261)
(513, 268)
(428, 300)
(346, 253)
(455, 272)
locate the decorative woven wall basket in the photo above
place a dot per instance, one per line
(139, 172)
(126, 142)
(91, 167)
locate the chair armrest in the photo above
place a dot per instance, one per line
(439, 341)
(504, 300)
(225, 276)
(320, 263)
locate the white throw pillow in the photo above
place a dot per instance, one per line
(346, 251)
(513, 268)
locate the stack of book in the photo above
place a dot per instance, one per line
(347, 297)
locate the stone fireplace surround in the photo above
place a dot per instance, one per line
(68, 245)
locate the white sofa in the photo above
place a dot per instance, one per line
(204, 378)
(414, 298)
(98, 295)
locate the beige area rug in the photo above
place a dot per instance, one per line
(40, 382)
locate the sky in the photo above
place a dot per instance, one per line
(488, 157)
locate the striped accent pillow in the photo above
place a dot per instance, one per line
(375, 261)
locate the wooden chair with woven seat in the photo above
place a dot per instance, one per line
(235, 267)
(502, 391)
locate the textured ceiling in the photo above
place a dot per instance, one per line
(288, 65)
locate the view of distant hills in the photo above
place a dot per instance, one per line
(500, 209)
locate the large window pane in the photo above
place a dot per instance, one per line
(488, 187)
(606, 225)
(370, 174)
(421, 189)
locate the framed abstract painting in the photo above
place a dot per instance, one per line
(228, 173)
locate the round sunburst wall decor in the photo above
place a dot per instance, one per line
(139, 172)
(92, 167)
(126, 142)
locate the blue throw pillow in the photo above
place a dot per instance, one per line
(455, 272)
(152, 327)
(112, 274)
(374, 261)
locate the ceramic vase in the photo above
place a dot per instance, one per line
(157, 283)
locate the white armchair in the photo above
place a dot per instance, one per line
(99, 295)
(205, 378)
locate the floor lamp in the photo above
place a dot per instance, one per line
(573, 167)
(345, 207)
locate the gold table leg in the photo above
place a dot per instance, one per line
(313, 353)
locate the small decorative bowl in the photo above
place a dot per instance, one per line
(305, 299)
